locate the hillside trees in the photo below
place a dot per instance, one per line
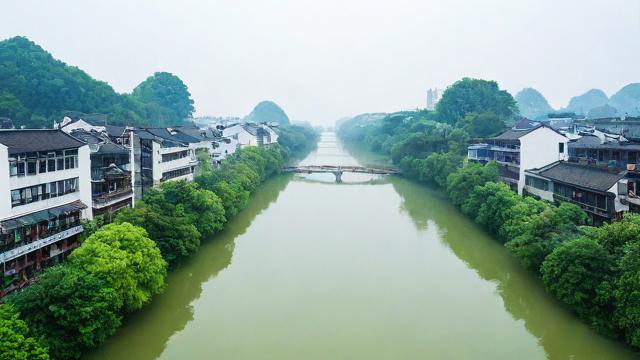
(36, 89)
(468, 96)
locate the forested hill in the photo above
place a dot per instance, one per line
(268, 111)
(36, 89)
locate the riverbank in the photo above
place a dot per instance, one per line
(120, 267)
(374, 268)
(591, 270)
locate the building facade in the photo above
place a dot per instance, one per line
(45, 188)
(519, 149)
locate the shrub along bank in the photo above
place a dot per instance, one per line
(76, 306)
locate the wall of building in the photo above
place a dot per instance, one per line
(539, 148)
(8, 183)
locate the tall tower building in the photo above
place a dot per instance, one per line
(433, 95)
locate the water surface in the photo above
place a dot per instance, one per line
(374, 268)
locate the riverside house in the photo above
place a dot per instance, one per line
(44, 192)
(527, 145)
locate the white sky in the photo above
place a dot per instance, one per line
(325, 59)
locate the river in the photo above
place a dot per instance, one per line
(373, 268)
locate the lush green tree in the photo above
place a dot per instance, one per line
(490, 205)
(16, 341)
(72, 309)
(540, 233)
(468, 96)
(627, 292)
(577, 273)
(12, 107)
(167, 225)
(461, 182)
(296, 139)
(434, 169)
(202, 207)
(166, 96)
(616, 235)
(125, 258)
(482, 125)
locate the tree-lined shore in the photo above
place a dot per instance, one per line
(76, 306)
(594, 271)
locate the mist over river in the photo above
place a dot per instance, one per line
(373, 268)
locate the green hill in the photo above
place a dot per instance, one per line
(532, 103)
(267, 111)
(36, 89)
(582, 104)
(627, 99)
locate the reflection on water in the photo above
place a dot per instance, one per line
(145, 333)
(318, 270)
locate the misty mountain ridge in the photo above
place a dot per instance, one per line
(592, 104)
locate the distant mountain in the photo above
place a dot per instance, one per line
(532, 104)
(267, 111)
(583, 103)
(627, 100)
(36, 89)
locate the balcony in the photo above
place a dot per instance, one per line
(35, 245)
(107, 199)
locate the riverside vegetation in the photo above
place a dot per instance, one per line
(594, 271)
(76, 306)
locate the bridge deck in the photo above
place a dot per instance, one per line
(341, 169)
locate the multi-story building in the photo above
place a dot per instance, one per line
(249, 134)
(42, 200)
(600, 192)
(525, 146)
(111, 178)
(162, 154)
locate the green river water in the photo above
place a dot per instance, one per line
(374, 268)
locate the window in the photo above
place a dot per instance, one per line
(15, 198)
(60, 163)
(42, 166)
(21, 167)
(43, 191)
(561, 148)
(53, 192)
(51, 161)
(13, 168)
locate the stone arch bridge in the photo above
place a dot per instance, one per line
(339, 170)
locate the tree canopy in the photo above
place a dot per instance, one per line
(16, 342)
(123, 256)
(37, 89)
(166, 98)
(475, 96)
(73, 310)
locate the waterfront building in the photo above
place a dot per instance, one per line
(250, 134)
(111, 178)
(527, 145)
(599, 192)
(43, 197)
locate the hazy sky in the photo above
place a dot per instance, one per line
(326, 59)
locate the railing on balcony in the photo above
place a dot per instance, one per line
(106, 198)
(32, 246)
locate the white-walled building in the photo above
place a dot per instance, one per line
(248, 134)
(519, 149)
(44, 191)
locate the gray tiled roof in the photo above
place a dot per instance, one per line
(20, 141)
(587, 177)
